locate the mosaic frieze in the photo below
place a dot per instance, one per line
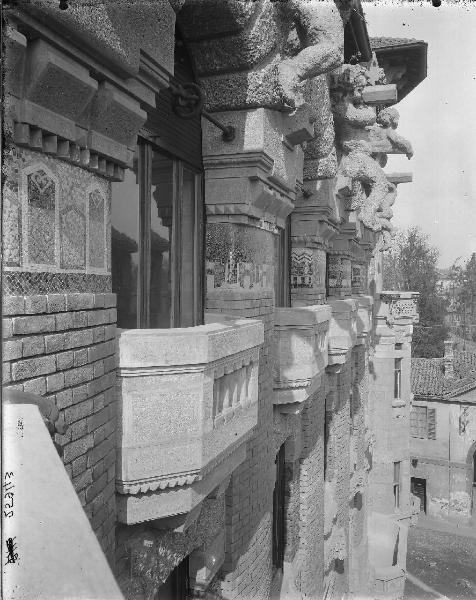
(339, 272)
(97, 230)
(239, 256)
(56, 215)
(11, 228)
(41, 198)
(308, 268)
(73, 237)
(24, 283)
(357, 277)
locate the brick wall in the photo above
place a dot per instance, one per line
(62, 346)
(249, 498)
(336, 577)
(310, 572)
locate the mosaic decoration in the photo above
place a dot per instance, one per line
(239, 256)
(301, 268)
(96, 237)
(308, 268)
(41, 216)
(62, 219)
(73, 238)
(357, 276)
(11, 228)
(18, 283)
(339, 272)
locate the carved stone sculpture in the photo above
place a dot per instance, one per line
(384, 136)
(369, 182)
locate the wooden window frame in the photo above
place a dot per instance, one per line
(146, 148)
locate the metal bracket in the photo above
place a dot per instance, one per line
(187, 103)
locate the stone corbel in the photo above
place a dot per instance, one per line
(15, 52)
(240, 187)
(95, 129)
(298, 126)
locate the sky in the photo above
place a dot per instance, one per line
(439, 119)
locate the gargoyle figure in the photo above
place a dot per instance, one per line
(320, 29)
(369, 182)
(384, 131)
(384, 214)
(351, 114)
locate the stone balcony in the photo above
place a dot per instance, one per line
(188, 401)
(395, 314)
(344, 328)
(300, 352)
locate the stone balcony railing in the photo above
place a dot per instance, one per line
(188, 401)
(344, 329)
(300, 351)
(395, 314)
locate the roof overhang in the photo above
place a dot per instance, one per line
(404, 63)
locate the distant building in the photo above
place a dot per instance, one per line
(443, 434)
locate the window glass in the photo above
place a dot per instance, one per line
(157, 243)
(396, 483)
(161, 222)
(125, 248)
(188, 260)
(397, 391)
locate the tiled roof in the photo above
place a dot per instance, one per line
(428, 378)
(387, 42)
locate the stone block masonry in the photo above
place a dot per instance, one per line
(62, 346)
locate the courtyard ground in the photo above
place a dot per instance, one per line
(441, 561)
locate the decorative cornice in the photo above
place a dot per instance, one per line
(40, 140)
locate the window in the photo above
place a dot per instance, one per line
(397, 388)
(157, 242)
(423, 422)
(278, 511)
(327, 440)
(282, 291)
(396, 483)
(177, 584)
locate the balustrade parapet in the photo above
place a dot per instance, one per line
(300, 351)
(343, 329)
(188, 402)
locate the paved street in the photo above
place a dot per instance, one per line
(441, 563)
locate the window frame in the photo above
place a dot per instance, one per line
(397, 379)
(282, 287)
(145, 151)
(397, 480)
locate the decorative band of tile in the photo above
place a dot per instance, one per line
(23, 283)
(63, 149)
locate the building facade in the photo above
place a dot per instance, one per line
(195, 206)
(443, 434)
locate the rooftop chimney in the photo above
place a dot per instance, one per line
(448, 359)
